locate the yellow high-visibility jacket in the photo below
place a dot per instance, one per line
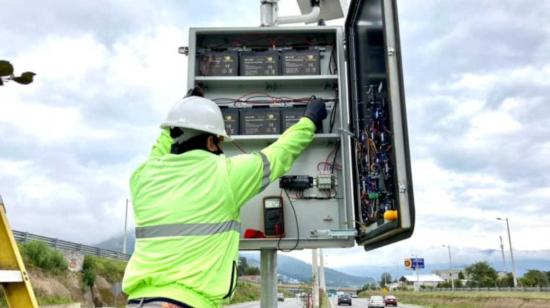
(187, 214)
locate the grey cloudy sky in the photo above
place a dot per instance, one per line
(477, 77)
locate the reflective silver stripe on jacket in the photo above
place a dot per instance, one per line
(187, 229)
(267, 171)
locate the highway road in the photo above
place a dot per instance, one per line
(364, 302)
(288, 303)
(295, 303)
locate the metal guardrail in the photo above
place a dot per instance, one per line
(493, 289)
(70, 246)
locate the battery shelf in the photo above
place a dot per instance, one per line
(266, 115)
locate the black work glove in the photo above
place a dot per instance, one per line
(316, 111)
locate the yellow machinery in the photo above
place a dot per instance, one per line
(13, 276)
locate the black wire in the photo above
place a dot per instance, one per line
(333, 116)
(297, 228)
(334, 159)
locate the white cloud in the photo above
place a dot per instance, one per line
(43, 123)
(92, 113)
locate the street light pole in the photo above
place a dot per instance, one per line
(450, 267)
(511, 251)
(502, 252)
(125, 238)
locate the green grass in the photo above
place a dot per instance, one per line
(53, 300)
(112, 270)
(246, 292)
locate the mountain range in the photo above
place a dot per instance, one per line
(463, 257)
(358, 275)
(288, 268)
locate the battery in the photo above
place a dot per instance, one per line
(224, 63)
(259, 63)
(291, 115)
(301, 62)
(260, 121)
(231, 120)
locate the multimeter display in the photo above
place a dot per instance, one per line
(273, 217)
(272, 203)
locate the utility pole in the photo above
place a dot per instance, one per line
(511, 251)
(450, 267)
(315, 278)
(322, 282)
(125, 238)
(502, 251)
(268, 275)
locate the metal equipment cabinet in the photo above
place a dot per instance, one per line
(351, 62)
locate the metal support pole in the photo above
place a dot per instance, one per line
(322, 283)
(268, 272)
(124, 250)
(502, 251)
(417, 286)
(512, 254)
(268, 13)
(315, 277)
(511, 251)
(451, 268)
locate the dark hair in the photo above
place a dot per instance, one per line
(196, 91)
(194, 143)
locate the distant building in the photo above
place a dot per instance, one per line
(503, 274)
(427, 280)
(447, 274)
(250, 278)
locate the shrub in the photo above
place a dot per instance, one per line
(89, 270)
(112, 270)
(38, 254)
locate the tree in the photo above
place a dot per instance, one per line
(385, 278)
(461, 275)
(481, 274)
(243, 265)
(6, 74)
(506, 281)
(244, 269)
(534, 278)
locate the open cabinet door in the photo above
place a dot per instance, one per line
(383, 192)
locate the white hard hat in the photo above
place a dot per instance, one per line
(196, 113)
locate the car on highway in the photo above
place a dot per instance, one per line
(344, 299)
(390, 300)
(376, 301)
(280, 297)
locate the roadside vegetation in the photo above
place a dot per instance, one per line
(478, 275)
(48, 265)
(246, 292)
(39, 255)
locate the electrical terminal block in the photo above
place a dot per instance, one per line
(325, 181)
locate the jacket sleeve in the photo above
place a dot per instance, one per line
(162, 146)
(249, 174)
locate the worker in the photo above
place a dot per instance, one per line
(187, 198)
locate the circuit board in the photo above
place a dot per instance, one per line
(374, 157)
